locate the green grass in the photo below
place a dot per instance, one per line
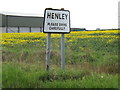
(81, 50)
(90, 63)
(0, 74)
(29, 76)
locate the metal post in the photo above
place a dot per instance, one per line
(6, 29)
(48, 52)
(18, 29)
(40, 29)
(30, 29)
(62, 52)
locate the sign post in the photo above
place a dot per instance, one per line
(62, 52)
(48, 52)
(56, 21)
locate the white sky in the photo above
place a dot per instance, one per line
(89, 14)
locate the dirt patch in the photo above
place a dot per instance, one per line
(109, 69)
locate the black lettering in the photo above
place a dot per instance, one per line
(59, 16)
(48, 15)
(52, 15)
(66, 15)
(56, 28)
(48, 24)
(53, 24)
(49, 28)
(63, 16)
(62, 24)
(56, 15)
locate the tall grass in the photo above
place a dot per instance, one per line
(29, 76)
(91, 61)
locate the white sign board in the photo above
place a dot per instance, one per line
(56, 21)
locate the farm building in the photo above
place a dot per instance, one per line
(13, 24)
(119, 14)
(78, 29)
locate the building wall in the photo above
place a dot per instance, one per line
(2, 23)
(15, 24)
(24, 21)
(21, 21)
(23, 29)
(0, 20)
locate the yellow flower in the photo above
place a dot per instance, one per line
(23, 38)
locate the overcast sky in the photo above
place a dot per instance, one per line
(89, 14)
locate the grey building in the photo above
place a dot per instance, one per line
(12, 23)
(119, 14)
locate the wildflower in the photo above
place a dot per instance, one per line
(101, 76)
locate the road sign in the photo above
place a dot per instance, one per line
(56, 21)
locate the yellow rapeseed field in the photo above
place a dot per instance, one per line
(23, 38)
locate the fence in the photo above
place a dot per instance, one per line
(30, 29)
(21, 29)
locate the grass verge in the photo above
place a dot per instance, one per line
(33, 76)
